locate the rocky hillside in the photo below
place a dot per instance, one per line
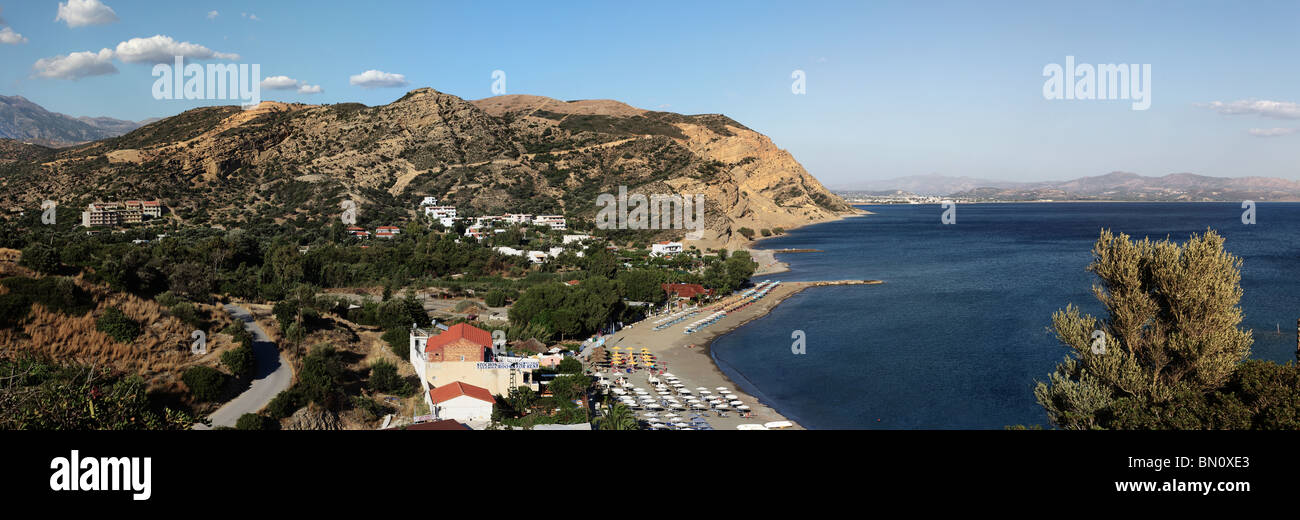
(295, 163)
(22, 120)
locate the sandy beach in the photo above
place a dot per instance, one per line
(687, 355)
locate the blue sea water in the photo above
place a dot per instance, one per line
(958, 334)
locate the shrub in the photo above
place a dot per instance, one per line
(496, 298)
(747, 233)
(41, 258)
(205, 383)
(570, 365)
(766, 232)
(117, 325)
(398, 341)
(252, 421)
(384, 378)
(286, 403)
(240, 361)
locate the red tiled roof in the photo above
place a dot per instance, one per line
(445, 424)
(686, 290)
(451, 391)
(460, 331)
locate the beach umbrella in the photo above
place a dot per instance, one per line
(701, 388)
(732, 396)
(742, 407)
(721, 389)
(737, 403)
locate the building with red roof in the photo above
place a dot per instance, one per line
(686, 290)
(460, 342)
(461, 402)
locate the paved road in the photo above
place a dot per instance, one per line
(273, 375)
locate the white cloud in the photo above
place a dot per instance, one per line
(76, 65)
(287, 83)
(279, 83)
(250, 16)
(1272, 132)
(213, 14)
(80, 13)
(163, 49)
(375, 79)
(1259, 107)
(7, 35)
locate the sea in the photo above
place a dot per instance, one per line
(959, 332)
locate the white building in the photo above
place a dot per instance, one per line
(461, 402)
(429, 201)
(447, 222)
(569, 239)
(665, 248)
(537, 257)
(554, 221)
(439, 212)
(510, 251)
(517, 218)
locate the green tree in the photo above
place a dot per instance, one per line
(41, 258)
(617, 417)
(1171, 335)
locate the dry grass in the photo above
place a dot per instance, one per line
(160, 354)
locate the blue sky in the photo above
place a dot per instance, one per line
(892, 88)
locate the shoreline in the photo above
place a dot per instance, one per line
(683, 352)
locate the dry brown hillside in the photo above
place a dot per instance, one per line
(287, 162)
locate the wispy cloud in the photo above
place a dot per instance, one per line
(310, 89)
(1272, 132)
(1258, 107)
(81, 13)
(213, 14)
(8, 36)
(250, 16)
(377, 78)
(76, 65)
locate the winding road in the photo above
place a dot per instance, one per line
(273, 375)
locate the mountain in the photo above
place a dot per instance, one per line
(295, 163)
(1111, 186)
(22, 120)
(1132, 187)
(930, 185)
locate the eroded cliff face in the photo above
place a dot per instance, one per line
(521, 154)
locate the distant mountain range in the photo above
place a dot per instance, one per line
(24, 121)
(1123, 186)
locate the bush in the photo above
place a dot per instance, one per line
(747, 233)
(117, 325)
(373, 409)
(40, 258)
(286, 403)
(766, 232)
(496, 298)
(239, 361)
(398, 341)
(205, 383)
(252, 421)
(384, 378)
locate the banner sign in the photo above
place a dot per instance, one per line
(489, 365)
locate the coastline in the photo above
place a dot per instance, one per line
(689, 356)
